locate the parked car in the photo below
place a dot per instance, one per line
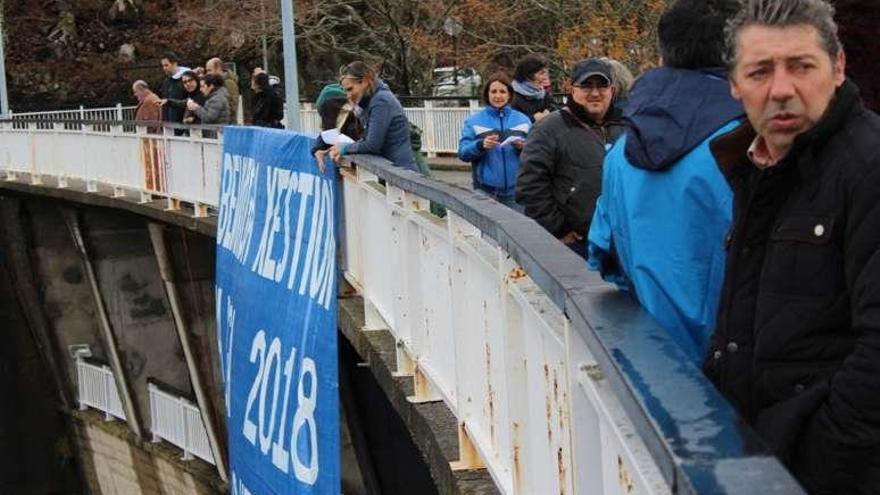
(445, 84)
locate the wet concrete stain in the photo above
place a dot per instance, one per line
(73, 275)
(128, 284)
(134, 363)
(147, 306)
(144, 305)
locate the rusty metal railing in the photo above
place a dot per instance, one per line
(559, 383)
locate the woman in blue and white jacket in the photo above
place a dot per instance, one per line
(493, 139)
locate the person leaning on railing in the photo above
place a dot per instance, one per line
(386, 128)
(215, 109)
(149, 106)
(337, 113)
(192, 89)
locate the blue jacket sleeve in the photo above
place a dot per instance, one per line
(470, 147)
(377, 126)
(599, 237)
(601, 255)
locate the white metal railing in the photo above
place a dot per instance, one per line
(118, 112)
(178, 421)
(475, 332)
(97, 389)
(441, 126)
(155, 162)
(553, 391)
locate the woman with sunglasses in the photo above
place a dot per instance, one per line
(386, 128)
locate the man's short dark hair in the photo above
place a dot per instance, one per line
(214, 80)
(528, 66)
(691, 32)
(171, 57)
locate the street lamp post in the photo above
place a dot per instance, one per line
(4, 98)
(263, 41)
(291, 78)
(453, 28)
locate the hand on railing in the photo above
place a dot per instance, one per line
(319, 156)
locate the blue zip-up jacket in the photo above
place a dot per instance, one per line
(660, 223)
(386, 129)
(496, 168)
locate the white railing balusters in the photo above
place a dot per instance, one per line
(179, 422)
(97, 389)
(441, 126)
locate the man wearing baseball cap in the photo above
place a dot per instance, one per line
(560, 171)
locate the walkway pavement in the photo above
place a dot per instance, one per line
(448, 163)
(451, 170)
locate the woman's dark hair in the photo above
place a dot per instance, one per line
(213, 79)
(329, 111)
(261, 80)
(192, 75)
(359, 71)
(528, 66)
(501, 77)
(691, 32)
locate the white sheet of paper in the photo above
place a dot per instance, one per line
(333, 136)
(511, 139)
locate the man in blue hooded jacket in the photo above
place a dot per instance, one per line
(660, 223)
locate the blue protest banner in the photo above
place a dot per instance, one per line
(276, 314)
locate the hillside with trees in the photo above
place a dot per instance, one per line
(63, 53)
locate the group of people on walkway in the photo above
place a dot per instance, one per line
(205, 95)
(541, 158)
(734, 192)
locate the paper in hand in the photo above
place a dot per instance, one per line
(333, 136)
(511, 139)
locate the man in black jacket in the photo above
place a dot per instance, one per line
(797, 345)
(560, 171)
(172, 87)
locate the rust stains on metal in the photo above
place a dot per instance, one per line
(517, 465)
(562, 411)
(560, 465)
(517, 274)
(491, 392)
(623, 476)
(468, 456)
(548, 408)
(555, 387)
